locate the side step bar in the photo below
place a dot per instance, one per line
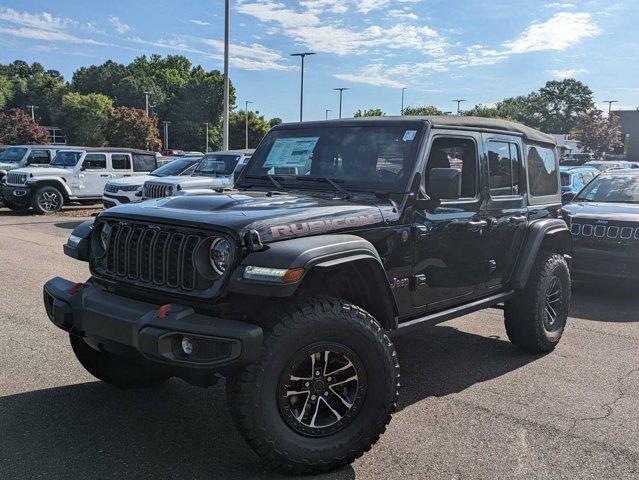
(444, 315)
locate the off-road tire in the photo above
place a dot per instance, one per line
(116, 371)
(16, 208)
(47, 195)
(525, 315)
(253, 394)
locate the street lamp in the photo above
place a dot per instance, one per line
(166, 134)
(459, 101)
(225, 121)
(146, 102)
(206, 148)
(32, 108)
(327, 112)
(341, 92)
(302, 56)
(610, 102)
(402, 110)
(246, 104)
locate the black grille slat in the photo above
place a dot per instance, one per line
(158, 253)
(174, 260)
(188, 263)
(133, 252)
(146, 248)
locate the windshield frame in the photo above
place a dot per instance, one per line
(24, 154)
(248, 179)
(581, 196)
(80, 152)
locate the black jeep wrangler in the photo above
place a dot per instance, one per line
(338, 235)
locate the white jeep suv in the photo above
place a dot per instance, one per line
(74, 175)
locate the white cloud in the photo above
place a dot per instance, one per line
(255, 50)
(559, 5)
(199, 22)
(567, 73)
(371, 75)
(561, 31)
(42, 20)
(269, 11)
(366, 6)
(119, 25)
(408, 15)
(321, 6)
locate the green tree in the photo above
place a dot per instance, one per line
(484, 111)
(423, 110)
(6, 91)
(102, 79)
(597, 134)
(191, 136)
(84, 118)
(371, 112)
(559, 104)
(257, 128)
(130, 127)
(17, 128)
(274, 122)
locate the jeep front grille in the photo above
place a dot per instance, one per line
(157, 190)
(153, 256)
(111, 188)
(16, 178)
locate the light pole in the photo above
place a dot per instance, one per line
(246, 104)
(225, 121)
(610, 102)
(459, 101)
(166, 134)
(341, 92)
(327, 112)
(403, 90)
(146, 102)
(206, 148)
(32, 108)
(302, 56)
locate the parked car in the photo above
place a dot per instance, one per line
(341, 233)
(129, 189)
(577, 159)
(171, 153)
(18, 156)
(604, 166)
(573, 179)
(74, 175)
(604, 221)
(215, 171)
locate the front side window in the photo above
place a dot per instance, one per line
(176, 167)
(120, 161)
(542, 171)
(13, 155)
(610, 187)
(39, 157)
(144, 163)
(66, 158)
(458, 153)
(503, 167)
(369, 156)
(94, 161)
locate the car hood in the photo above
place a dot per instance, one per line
(139, 180)
(604, 211)
(44, 171)
(194, 182)
(274, 217)
(8, 166)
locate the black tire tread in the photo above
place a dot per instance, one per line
(34, 200)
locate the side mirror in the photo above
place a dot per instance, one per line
(444, 183)
(568, 197)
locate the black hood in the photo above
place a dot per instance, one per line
(275, 217)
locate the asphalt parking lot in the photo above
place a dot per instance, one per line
(472, 406)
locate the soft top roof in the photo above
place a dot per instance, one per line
(442, 121)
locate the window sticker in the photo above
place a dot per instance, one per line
(291, 154)
(409, 135)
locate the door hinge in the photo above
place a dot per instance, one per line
(418, 281)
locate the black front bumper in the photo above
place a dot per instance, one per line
(123, 326)
(589, 263)
(19, 196)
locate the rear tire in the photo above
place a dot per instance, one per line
(535, 319)
(116, 371)
(311, 422)
(47, 200)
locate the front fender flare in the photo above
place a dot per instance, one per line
(53, 181)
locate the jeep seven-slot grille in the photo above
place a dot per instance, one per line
(155, 256)
(16, 178)
(156, 190)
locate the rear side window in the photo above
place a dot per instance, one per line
(120, 161)
(504, 167)
(39, 157)
(94, 161)
(542, 171)
(144, 163)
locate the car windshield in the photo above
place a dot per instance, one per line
(218, 164)
(66, 159)
(12, 155)
(368, 156)
(175, 167)
(616, 188)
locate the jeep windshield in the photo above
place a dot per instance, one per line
(610, 187)
(12, 155)
(175, 167)
(218, 164)
(66, 159)
(379, 157)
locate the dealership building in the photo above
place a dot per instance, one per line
(629, 123)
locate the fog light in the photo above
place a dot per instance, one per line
(187, 346)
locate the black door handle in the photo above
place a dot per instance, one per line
(517, 219)
(104, 176)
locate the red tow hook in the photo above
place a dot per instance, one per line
(164, 311)
(75, 288)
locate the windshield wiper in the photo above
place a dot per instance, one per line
(330, 181)
(273, 180)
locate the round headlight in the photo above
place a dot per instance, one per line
(168, 191)
(105, 236)
(220, 255)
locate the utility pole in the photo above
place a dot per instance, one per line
(206, 149)
(302, 56)
(459, 101)
(225, 121)
(402, 110)
(146, 102)
(610, 102)
(32, 108)
(341, 92)
(327, 112)
(166, 134)
(246, 104)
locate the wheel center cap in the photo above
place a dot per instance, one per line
(319, 386)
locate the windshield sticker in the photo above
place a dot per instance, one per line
(291, 155)
(409, 135)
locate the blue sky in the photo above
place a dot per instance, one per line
(438, 49)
